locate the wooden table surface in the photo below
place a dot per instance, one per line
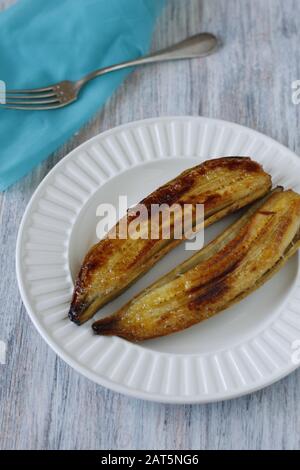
(47, 405)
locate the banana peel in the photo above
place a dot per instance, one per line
(223, 185)
(235, 264)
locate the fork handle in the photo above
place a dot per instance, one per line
(199, 45)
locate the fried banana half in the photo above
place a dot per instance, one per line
(223, 185)
(228, 269)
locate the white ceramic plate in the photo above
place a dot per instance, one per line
(239, 351)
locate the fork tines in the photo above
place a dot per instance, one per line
(31, 99)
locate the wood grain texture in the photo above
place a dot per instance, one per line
(47, 405)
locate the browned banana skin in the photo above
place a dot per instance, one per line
(239, 261)
(223, 185)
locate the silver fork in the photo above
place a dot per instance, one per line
(63, 93)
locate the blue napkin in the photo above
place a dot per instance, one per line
(43, 42)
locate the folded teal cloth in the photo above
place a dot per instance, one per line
(43, 42)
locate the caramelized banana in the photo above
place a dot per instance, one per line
(235, 264)
(223, 185)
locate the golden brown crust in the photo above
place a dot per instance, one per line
(223, 185)
(243, 258)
